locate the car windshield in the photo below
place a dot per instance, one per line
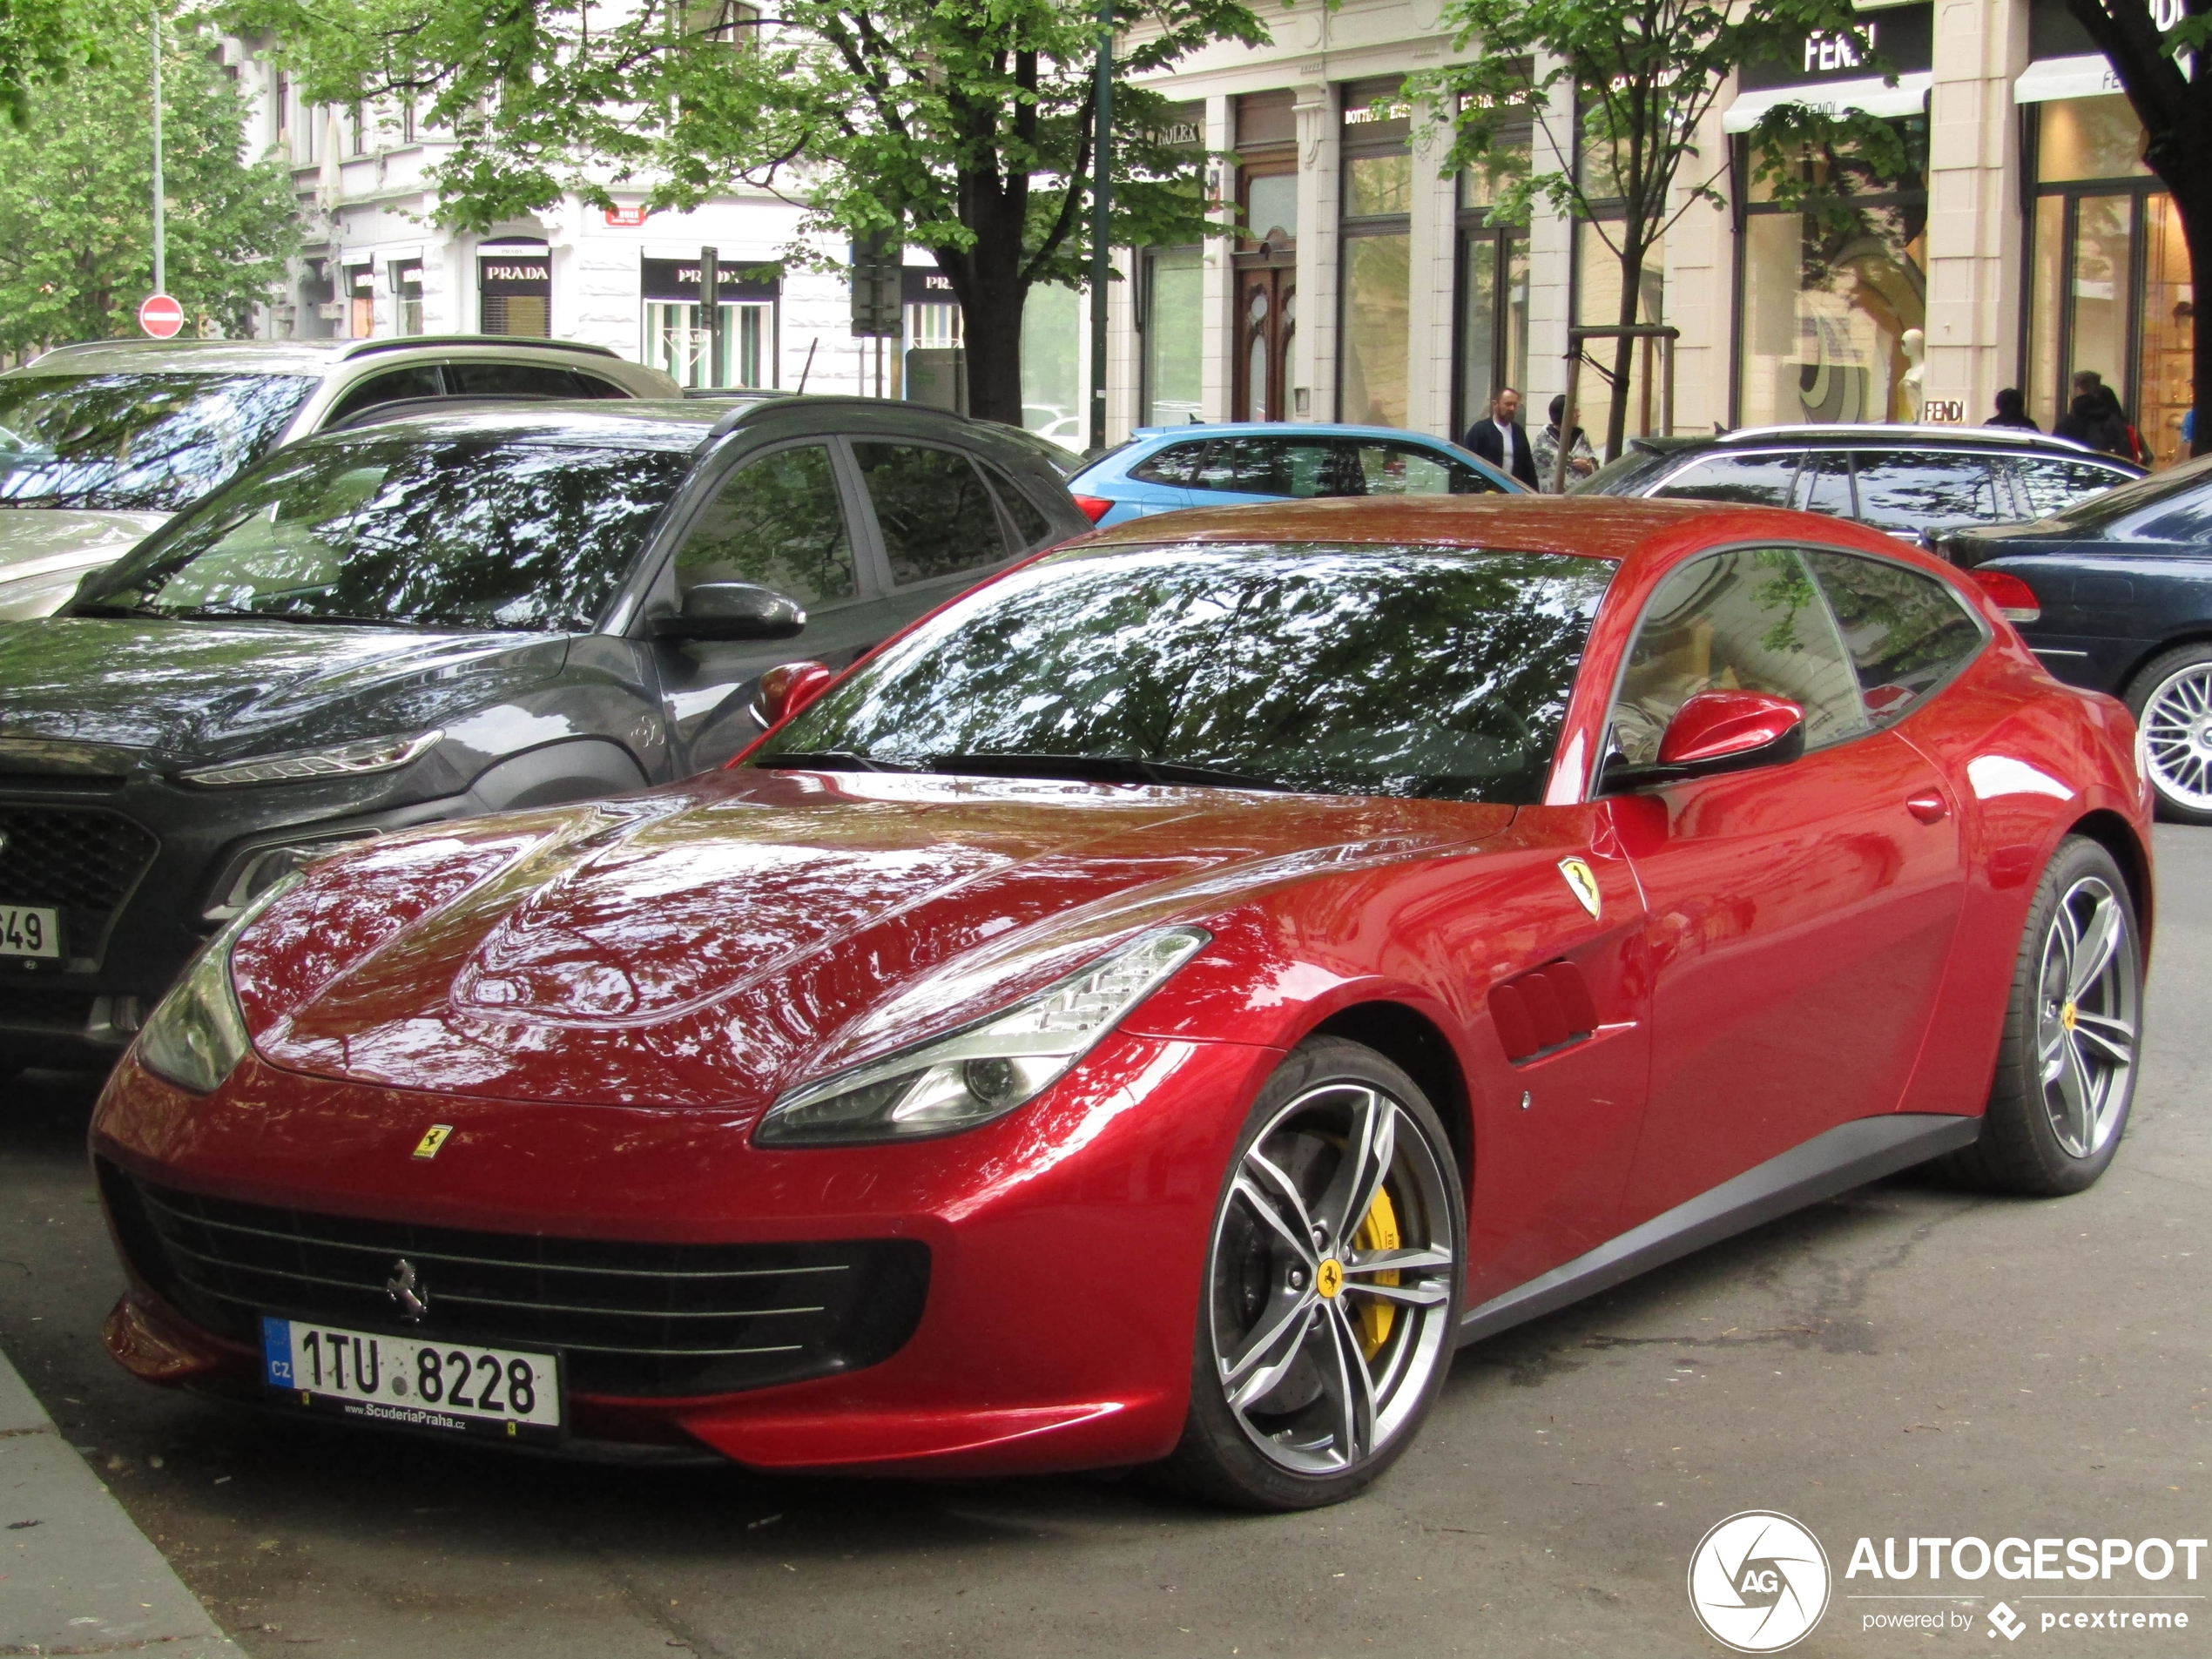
(1636, 465)
(464, 532)
(136, 443)
(1365, 670)
(2094, 514)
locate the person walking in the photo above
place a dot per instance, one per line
(2094, 417)
(2011, 410)
(1581, 460)
(1500, 439)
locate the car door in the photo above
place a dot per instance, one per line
(1800, 915)
(780, 518)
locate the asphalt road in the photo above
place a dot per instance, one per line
(1906, 1360)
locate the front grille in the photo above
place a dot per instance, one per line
(631, 1318)
(82, 860)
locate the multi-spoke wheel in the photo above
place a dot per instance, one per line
(2172, 699)
(2065, 1070)
(1333, 1285)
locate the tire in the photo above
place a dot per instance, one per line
(1315, 1362)
(2171, 700)
(2068, 1062)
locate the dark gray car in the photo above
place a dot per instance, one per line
(456, 610)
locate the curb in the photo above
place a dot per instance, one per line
(76, 1576)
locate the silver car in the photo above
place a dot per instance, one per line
(100, 444)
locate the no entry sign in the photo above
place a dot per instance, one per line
(161, 316)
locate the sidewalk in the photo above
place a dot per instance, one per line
(76, 1576)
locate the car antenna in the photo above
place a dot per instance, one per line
(809, 369)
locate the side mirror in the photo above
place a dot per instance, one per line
(1717, 732)
(788, 688)
(732, 611)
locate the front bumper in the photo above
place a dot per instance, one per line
(1065, 1244)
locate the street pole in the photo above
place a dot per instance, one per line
(160, 244)
(1101, 200)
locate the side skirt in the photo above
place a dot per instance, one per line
(1848, 1156)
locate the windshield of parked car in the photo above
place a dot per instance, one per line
(136, 443)
(1625, 475)
(2093, 515)
(476, 532)
(1359, 670)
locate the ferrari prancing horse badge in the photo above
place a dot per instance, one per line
(1583, 879)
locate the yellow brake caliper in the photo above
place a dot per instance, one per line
(1379, 1231)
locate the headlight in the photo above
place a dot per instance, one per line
(197, 1036)
(985, 1071)
(347, 761)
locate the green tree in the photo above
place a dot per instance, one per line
(76, 193)
(39, 39)
(1645, 75)
(961, 125)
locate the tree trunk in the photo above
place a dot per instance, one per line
(1616, 418)
(987, 280)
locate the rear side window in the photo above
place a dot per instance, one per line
(519, 380)
(1905, 631)
(1030, 521)
(420, 381)
(933, 510)
(776, 521)
(1753, 480)
(1294, 467)
(1825, 485)
(1176, 466)
(1411, 469)
(2048, 484)
(1907, 494)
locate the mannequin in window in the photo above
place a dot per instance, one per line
(1913, 383)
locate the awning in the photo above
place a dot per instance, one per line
(2087, 76)
(1872, 96)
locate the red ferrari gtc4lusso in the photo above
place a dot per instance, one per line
(1157, 1009)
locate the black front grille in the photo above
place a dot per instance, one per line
(632, 1318)
(82, 860)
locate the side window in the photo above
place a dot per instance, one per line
(1825, 485)
(777, 520)
(514, 379)
(592, 386)
(1176, 466)
(1904, 630)
(1749, 620)
(933, 508)
(1298, 468)
(1030, 521)
(420, 381)
(2047, 484)
(1755, 480)
(1409, 469)
(1907, 494)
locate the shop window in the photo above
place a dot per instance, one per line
(514, 290)
(407, 295)
(1174, 335)
(360, 301)
(1375, 328)
(679, 342)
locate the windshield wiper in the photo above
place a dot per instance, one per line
(1102, 769)
(826, 760)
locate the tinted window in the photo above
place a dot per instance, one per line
(1409, 469)
(148, 443)
(517, 379)
(2177, 487)
(422, 381)
(1030, 521)
(2048, 484)
(934, 510)
(1373, 670)
(1904, 632)
(1176, 465)
(777, 520)
(479, 533)
(1637, 467)
(1297, 467)
(1825, 485)
(1749, 621)
(1910, 493)
(1755, 480)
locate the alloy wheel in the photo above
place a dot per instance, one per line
(2086, 1015)
(2174, 740)
(1330, 1279)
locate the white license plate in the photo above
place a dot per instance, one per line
(26, 930)
(409, 1383)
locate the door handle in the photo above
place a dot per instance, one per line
(1929, 809)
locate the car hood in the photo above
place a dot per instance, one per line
(198, 690)
(711, 945)
(40, 541)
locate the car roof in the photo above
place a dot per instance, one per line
(1900, 435)
(1284, 429)
(644, 423)
(279, 356)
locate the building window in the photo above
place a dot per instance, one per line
(1052, 391)
(1491, 315)
(1826, 299)
(1374, 328)
(1265, 295)
(407, 295)
(677, 340)
(515, 287)
(2108, 281)
(1173, 323)
(360, 301)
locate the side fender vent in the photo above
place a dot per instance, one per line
(1543, 1010)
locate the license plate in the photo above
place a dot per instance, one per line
(26, 930)
(409, 1383)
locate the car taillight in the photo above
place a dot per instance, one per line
(1093, 508)
(2014, 597)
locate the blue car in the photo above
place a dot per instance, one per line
(1162, 470)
